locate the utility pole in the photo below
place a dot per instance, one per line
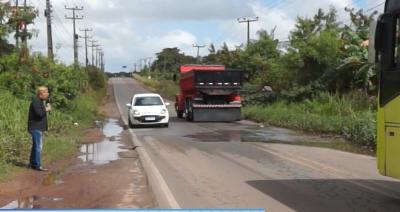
(93, 46)
(24, 36)
(149, 67)
(102, 61)
(47, 14)
(198, 51)
(74, 18)
(247, 20)
(86, 37)
(98, 50)
(17, 27)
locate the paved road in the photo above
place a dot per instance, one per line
(208, 165)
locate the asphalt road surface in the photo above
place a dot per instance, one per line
(232, 165)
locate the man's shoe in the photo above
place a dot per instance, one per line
(41, 169)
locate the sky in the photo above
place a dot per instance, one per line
(129, 30)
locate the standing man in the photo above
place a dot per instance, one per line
(37, 124)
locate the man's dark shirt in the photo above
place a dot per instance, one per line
(37, 115)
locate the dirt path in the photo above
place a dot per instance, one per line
(105, 174)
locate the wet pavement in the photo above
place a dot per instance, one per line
(255, 134)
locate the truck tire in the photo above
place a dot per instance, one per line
(179, 113)
(189, 110)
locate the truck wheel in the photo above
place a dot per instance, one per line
(179, 113)
(190, 113)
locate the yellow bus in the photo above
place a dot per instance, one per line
(387, 48)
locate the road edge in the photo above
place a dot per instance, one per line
(158, 185)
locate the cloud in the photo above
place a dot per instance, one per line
(129, 30)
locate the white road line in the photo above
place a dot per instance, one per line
(159, 186)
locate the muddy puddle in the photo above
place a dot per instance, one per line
(255, 134)
(30, 202)
(108, 149)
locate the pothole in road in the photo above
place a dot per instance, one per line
(29, 202)
(108, 149)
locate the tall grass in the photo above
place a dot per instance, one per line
(15, 141)
(351, 116)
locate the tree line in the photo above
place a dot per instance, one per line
(323, 55)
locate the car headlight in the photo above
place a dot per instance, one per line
(163, 111)
(136, 112)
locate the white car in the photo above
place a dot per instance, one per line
(148, 109)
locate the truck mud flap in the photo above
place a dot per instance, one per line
(216, 114)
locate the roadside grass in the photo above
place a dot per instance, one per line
(167, 88)
(15, 141)
(325, 114)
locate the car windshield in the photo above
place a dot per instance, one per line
(148, 101)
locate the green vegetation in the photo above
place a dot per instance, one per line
(322, 82)
(323, 114)
(75, 93)
(167, 88)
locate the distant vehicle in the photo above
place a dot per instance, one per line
(148, 109)
(209, 93)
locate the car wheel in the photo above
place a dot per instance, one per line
(130, 123)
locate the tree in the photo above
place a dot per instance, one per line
(5, 28)
(169, 60)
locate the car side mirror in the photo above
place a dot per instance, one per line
(167, 104)
(128, 105)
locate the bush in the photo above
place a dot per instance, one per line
(254, 95)
(97, 79)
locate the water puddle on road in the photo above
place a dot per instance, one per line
(254, 134)
(53, 178)
(108, 149)
(29, 202)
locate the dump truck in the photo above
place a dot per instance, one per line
(209, 93)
